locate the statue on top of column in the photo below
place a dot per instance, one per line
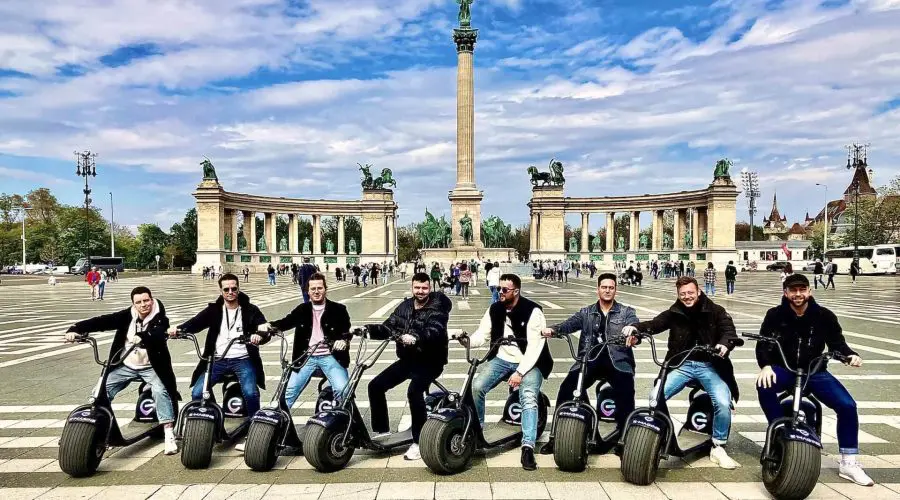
(465, 14)
(721, 171)
(367, 181)
(209, 171)
(553, 177)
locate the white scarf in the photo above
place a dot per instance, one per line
(138, 359)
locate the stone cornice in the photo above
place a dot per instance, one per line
(645, 202)
(281, 205)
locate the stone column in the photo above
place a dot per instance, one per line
(389, 223)
(678, 233)
(294, 236)
(249, 231)
(610, 231)
(233, 230)
(465, 107)
(317, 234)
(703, 222)
(533, 232)
(253, 237)
(657, 230)
(695, 227)
(585, 232)
(341, 248)
(271, 234)
(634, 231)
(211, 225)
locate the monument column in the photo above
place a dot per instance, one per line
(253, 237)
(695, 227)
(234, 231)
(678, 230)
(293, 234)
(610, 231)
(634, 231)
(465, 197)
(341, 249)
(317, 234)
(656, 245)
(585, 232)
(271, 233)
(249, 231)
(533, 233)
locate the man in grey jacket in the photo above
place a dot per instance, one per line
(597, 322)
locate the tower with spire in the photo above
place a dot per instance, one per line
(775, 226)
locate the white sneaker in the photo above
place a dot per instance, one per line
(171, 445)
(720, 457)
(412, 453)
(855, 473)
(240, 446)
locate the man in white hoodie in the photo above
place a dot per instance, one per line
(143, 324)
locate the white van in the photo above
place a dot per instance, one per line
(886, 258)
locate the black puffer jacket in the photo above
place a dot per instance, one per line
(428, 325)
(807, 335)
(712, 325)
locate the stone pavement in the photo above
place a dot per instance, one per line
(43, 379)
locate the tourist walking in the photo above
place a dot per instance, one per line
(831, 270)
(465, 276)
(730, 277)
(271, 272)
(710, 279)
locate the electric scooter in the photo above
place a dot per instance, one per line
(792, 456)
(204, 423)
(92, 428)
(577, 427)
(452, 432)
(272, 431)
(334, 434)
(649, 434)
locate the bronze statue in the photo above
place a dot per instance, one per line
(703, 239)
(688, 240)
(573, 244)
(306, 245)
(553, 177)
(465, 14)
(261, 244)
(645, 241)
(621, 243)
(465, 229)
(282, 245)
(242, 243)
(228, 241)
(721, 171)
(352, 245)
(385, 179)
(667, 242)
(209, 171)
(367, 181)
(329, 246)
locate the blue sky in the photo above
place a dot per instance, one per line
(285, 97)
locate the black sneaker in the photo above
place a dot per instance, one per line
(528, 462)
(547, 449)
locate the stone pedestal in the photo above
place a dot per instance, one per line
(211, 225)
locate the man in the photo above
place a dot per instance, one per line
(314, 322)
(421, 356)
(143, 325)
(493, 279)
(303, 275)
(93, 280)
(804, 329)
(730, 277)
(526, 365)
(230, 316)
(818, 271)
(831, 270)
(695, 320)
(246, 274)
(603, 319)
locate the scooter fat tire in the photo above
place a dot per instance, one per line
(437, 442)
(322, 449)
(640, 457)
(795, 472)
(80, 449)
(198, 442)
(260, 451)
(570, 450)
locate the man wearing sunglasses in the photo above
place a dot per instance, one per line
(230, 316)
(603, 319)
(526, 365)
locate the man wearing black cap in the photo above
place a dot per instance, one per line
(804, 329)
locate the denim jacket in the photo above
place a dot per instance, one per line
(588, 320)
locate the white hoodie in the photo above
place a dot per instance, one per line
(138, 359)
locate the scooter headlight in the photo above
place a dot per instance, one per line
(206, 395)
(576, 394)
(92, 399)
(451, 398)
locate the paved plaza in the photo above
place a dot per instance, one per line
(42, 379)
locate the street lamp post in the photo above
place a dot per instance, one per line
(857, 157)
(750, 182)
(827, 228)
(86, 167)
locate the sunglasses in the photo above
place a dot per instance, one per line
(507, 290)
(230, 289)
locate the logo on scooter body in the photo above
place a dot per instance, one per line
(608, 407)
(234, 405)
(699, 420)
(514, 411)
(147, 407)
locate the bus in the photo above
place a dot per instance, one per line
(879, 259)
(84, 265)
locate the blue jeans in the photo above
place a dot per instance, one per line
(829, 391)
(242, 368)
(498, 370)
(304, 291)
(712, 383)
(120, 377)
(334, 372)
(101, 288)
(710, 288)
(272, 279)
(729, 286)
(495, 294)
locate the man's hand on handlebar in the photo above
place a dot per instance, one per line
(407, 339)
(73, 337)
(766, 378)
(255, 339)
(547, 332)
(173, 331)
(854, 361)
(339, 345)
(723, 350)
(359, 331)
(630, 333)
(265, 328)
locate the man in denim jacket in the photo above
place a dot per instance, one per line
(597, 322)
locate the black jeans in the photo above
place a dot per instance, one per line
(420, 376)
(602, 369)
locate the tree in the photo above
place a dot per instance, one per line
(184, 240)
(152, 241)
(742, 232)
(352, 229)
(622, 229)
(817, 240)
(329, 232)
(408, 243)
(520, 240)
(80, 234)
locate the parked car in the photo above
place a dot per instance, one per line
(777, 265)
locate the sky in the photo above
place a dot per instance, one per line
(286, 96)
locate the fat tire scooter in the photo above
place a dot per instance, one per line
(451, 433)
(792, 456)
(93, 428)
(649, 434)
